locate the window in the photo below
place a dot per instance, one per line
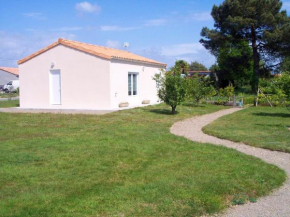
(132, 84)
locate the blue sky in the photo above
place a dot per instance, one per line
(164, 30)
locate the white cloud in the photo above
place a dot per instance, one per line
(113, 44)
(181, 49)
(86, 7)
(203, 16)
(34, 15)
(188, 52)
(67, 29)
(155, 22)
(118, 28)
(14, 47)
(148, 23)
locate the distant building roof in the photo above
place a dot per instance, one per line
(190, 73)
(13, 71)
(99, 51)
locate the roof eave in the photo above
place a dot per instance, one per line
(140, 61)
(63, 42)
(9, 72)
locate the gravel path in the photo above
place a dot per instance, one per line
(278, 202)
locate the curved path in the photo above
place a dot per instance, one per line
(278, 202)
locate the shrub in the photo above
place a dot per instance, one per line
(172, 87)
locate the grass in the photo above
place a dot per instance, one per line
(121, 164)
(6, 95)
(262, 127)
(9, 103)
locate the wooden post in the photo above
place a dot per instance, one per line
(265, 97)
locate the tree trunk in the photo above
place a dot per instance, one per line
(256, 57)
(173, 108)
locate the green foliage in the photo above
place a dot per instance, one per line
(196, 66)
(172, 89)
(239, 200)
(276, 89)
(214, 68)
(259, 23)
(285, 66)
(228, 91)
(199, 88)
(285, 83)
(235, 65)
(253, 199)
(182, 65)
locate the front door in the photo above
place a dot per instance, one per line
(55, 87)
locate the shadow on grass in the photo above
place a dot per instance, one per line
(282, 115)
(270, 125)
(191, 104)
(163, 111)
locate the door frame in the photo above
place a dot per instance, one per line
(51, 88)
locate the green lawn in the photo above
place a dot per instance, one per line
(121, 164)
(263, 127)
(6, 95)
(9, 103)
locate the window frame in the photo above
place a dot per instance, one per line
(132, 84)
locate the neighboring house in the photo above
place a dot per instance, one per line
(8, 74)
(74, 75)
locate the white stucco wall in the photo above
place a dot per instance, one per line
(85, 80)
(119, 83)
(5, 77)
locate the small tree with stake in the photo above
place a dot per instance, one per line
(172, 87)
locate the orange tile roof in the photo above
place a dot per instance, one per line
(99, 51)
(13, 71)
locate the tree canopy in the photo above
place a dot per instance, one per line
(172, 86)
(235, 65)
(259, 23)
(182, 65)
(196, 66)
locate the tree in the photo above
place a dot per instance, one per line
(199, 88)
(285, 65)
(214, 68)
(182, 65)
(235, 65)
(260, 23)
(172, 87)
(196, 66)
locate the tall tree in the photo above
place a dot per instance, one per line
(260, 23)
(196, 66)
(235, 65)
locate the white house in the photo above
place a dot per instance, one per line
(8, 74)
(74, 75)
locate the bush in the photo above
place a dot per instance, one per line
(172, 87)
(199, 88)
